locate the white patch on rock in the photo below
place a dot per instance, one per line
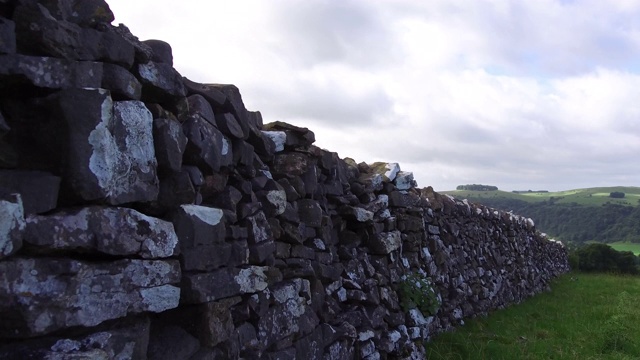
(395, 336)
(267, 173)
(211, 216)
(279, 200)
(404, 180)
(105, 155)
(366, 335)
(362, 215)
(225, 146)
(138, 122)
(278, 137)
(160, 298)
(392, 171)
(342, 294)
(252, 279)
(11, 221)
(417, 317)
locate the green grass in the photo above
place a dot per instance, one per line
(589, 196)
(625, 246)
(595, 317)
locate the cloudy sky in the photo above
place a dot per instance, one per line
(523, 95)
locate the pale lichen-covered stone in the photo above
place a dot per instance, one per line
(251, 279)
(105, 230)
(12, 224)
(388, 171)
(110, 153)
(278, 137)
(386, 242)
(404, 180)
(38, 296)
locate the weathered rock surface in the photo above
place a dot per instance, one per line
(46, 294)
(21, 72)
(38, 189)
(110, 146)
(12, 223)
(105, 230)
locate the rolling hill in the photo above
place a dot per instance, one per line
(573, 216)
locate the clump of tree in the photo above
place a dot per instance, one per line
(603, 258)
(477, 187)
(616, 195)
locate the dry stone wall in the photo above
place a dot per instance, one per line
(147, 216)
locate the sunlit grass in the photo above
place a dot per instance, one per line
(594, 317)
(625, 246)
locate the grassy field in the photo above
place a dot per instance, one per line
(589, 196)
(593, 317)
(623, 246)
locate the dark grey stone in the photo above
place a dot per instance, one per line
(122, 84)
(7, 36)
(198, 225)
(160, 82)
(199, 288)
(215, 97)
(162, 52)
(169, 144)
(198, 105)
(104, 230)
(124, 339)
(229, 126)
(171, 343)
(38, 296)
(310, 212)
(39, 189)
(207, 148)
(19, 73)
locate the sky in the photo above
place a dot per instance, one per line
(540, 95)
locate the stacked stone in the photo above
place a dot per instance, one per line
(143, 215)
(485, 259)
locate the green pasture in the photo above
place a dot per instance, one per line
(585, 316)
(589, 196)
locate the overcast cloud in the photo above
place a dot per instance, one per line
(523, 95)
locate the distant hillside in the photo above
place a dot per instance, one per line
(578, 216)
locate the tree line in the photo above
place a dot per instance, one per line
(477, 187)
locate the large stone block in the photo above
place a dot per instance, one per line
(385, 242)
(228, 124)
(290, 164)
(199, 226)
(199, 106)
(38, 296)
(160, 82)
(170, 143)
(207, 148)
(224, 283)
(7, 36)
(110, 147)
(21, 72)
(46, 31)
(171, 343)
(125, 339)
(214, 96)
(104, 230)
(39, 190)
(12, 223)
(290, 315)
(122, 84)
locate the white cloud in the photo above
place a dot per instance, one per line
(518, 94)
